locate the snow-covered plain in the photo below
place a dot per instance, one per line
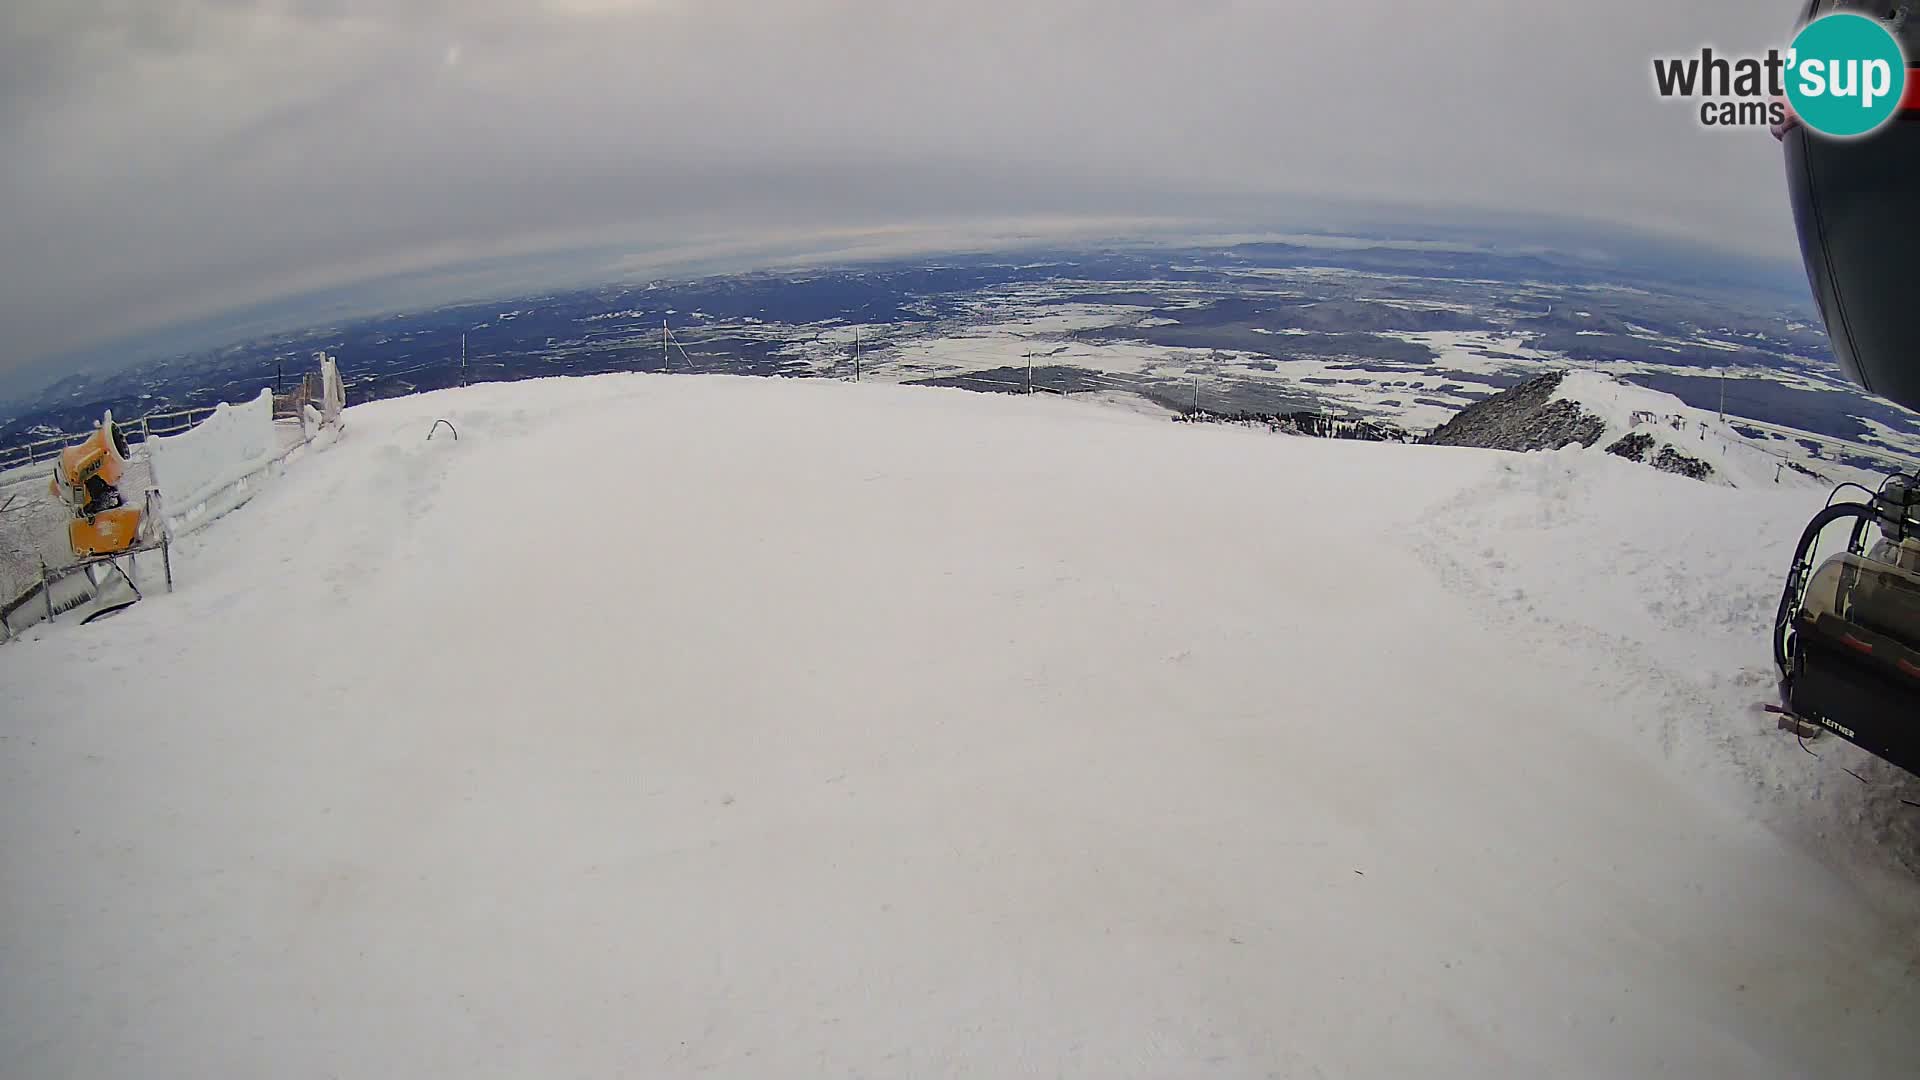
(664, 725)
(996, 330)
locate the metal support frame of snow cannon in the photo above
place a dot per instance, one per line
(1849, 663)
(111, 564)
(97, 569)
(436, 427)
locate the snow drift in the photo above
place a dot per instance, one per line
(663, 725)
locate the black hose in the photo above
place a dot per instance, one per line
(1857, 543)
(1801, 570)
(450, 427)
(1844, 485)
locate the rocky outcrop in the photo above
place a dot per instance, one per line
(1527, 417)
(1521, 419)
(1633, 447)
(1673, 461)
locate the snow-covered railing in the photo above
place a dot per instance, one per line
(236, 483)
(12, 457)
(181, 519)
(156, 425)
(323, 389)
(152, 425)
(235, 441)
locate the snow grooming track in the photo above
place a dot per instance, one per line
(665, 725)
(1552, 538)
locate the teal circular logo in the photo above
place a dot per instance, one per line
(1845, 75)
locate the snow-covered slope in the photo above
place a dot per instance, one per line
(664, 725)
(1659, 429)
(1604, 413)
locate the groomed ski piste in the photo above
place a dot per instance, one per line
(664, 725)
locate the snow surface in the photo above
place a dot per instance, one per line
(1737, 460)
(665, 725)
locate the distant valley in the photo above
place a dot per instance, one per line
(1405, 335)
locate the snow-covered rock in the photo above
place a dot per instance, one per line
(1599, 411)
(1530, 416)
(664, 725)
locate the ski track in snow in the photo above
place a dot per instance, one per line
(665, 724)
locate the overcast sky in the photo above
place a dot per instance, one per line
(168, 159)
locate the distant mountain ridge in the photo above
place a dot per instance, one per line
(1589, 409)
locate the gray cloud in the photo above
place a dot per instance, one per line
(169, 158)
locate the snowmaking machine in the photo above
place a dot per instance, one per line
(101, 528)
(1847, 636)
(87, 481)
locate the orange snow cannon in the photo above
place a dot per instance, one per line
(107, 533)
(87, 480)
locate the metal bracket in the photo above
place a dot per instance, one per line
(1805, 729)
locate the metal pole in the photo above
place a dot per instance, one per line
(166, 558)
(463, 359)
(663, 343)
(1723, 396)
(856, 354)
(1029, 371)
(46, 590)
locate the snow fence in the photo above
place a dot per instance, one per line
(220, 453)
